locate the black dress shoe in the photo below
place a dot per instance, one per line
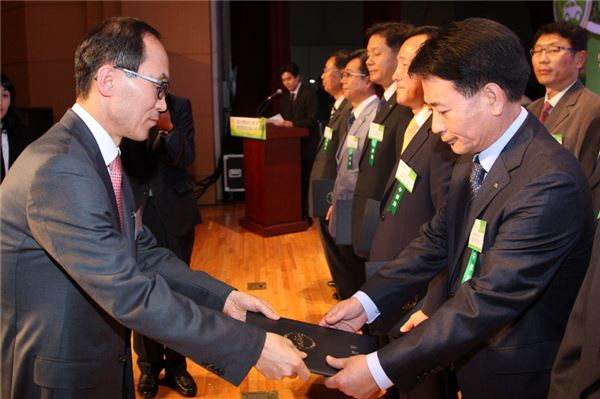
(182, 382)
(148, 385)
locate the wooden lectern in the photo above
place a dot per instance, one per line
(272, 182)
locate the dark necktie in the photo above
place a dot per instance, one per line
(351, 120)
(115, 170)
(545, 111)
(475, 179)
(292, 100)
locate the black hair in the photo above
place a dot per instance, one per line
(11, 119)
(575, 34)
(118, 41)
(340, 58)
(393, 32)
(362, 55)
(429, 30)
(291, 68)
(473, 53)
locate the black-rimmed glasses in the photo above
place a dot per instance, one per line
(347, 74)
(550, 50)
(162, 86)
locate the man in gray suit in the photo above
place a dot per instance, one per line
(347, 268)
(79, 271)
(513, 238)
(569, 111)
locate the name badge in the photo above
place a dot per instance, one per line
(406, 176)
(376, 132)
(352, 142)
(477, 234)
(328, 133)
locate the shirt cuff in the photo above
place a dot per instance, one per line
(377, 372)
(369, 306)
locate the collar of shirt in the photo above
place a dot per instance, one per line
(422, 116)
(338, 102)
(295, 91)
(108, 149)
(554, 100)
(360, 107)
(389, 92)
(488, 156)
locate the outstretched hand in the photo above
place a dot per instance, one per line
(238, 303)
(354, 378)
(280, 359)
(348, 315)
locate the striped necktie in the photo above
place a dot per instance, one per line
(115, 170)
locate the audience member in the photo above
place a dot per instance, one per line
(15, 137)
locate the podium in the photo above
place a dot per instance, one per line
(272, 182)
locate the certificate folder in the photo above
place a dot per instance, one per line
(316, 341)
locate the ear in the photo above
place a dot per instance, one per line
(105, 80)
(580, 57)
(495, 98)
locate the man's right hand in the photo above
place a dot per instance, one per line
(414, 320)
(280, 359)
(348, 315)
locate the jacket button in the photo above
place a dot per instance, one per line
(382, 217)
(123, 359)
(451, 294)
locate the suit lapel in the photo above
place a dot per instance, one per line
(563, 108)
(386, 110)
(82, 133)
(495, 181)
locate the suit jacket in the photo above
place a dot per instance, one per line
(502, 328)
(433, 161)
(577, 117)
(345, 181)
(595, 186)
(576, 371)
(324, 166)
(372, 179)
(19, 137)
(73, 285)
(304, 113)
(159, 164)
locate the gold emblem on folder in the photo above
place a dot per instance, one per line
(302, 341)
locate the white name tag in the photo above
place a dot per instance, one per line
(406, 175)
(352, 142)
(477, 234)
(328, 133)
(376, 132)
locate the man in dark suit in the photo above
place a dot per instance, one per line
(164, 192)
(576, 371)
(379, 156)
(513, 237)
(569, 111)
(300, 108)
(79, 270)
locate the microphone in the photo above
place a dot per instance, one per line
(261, 108)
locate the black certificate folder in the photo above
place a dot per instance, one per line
(316, 341)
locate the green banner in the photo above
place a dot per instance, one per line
(251, 128)
(585, 13)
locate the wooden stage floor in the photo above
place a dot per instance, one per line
(296, 274)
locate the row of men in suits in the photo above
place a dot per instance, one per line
(499, 298)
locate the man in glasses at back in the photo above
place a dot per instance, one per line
(569, 111)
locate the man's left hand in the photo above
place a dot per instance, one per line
(238, 303)
(354, 378)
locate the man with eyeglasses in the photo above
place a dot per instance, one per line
(358, 89)
(569, 111)
(78, 269)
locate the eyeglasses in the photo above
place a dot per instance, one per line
(162, 86)
(347, 74)
(550, 50)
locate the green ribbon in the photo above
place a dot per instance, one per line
(470, 266)
(326, 144)
(350, 157)
(598, 215)
(372, 152)
(400, 190)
